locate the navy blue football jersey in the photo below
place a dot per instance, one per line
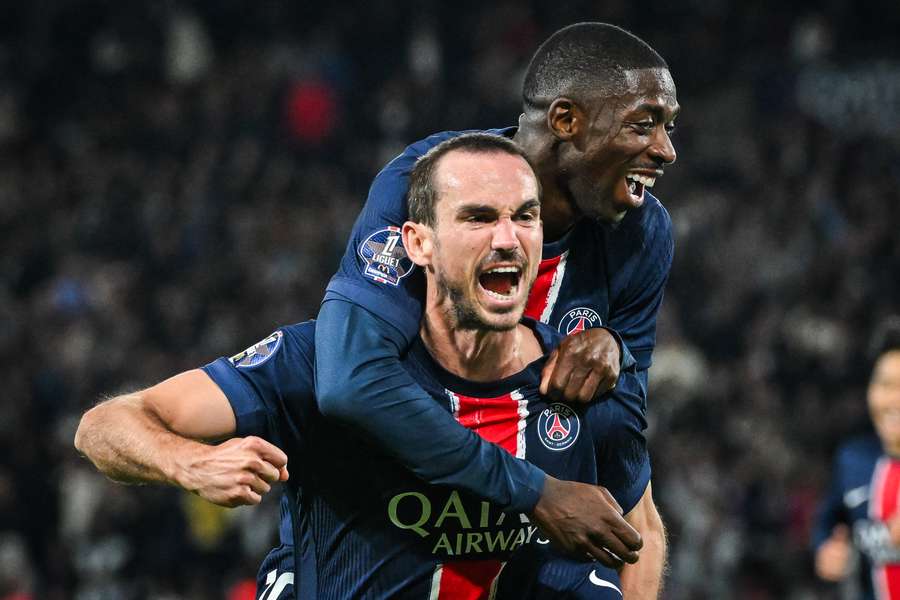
(367, 528)
(596, 274)
(865, 494)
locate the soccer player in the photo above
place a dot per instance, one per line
(861, 509)
(367, 527)
(599, 106)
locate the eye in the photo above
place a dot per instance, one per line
(671, 127)
(527, 217)
(643, 127)
(478, 219)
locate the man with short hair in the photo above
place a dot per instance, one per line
(862, 510)
(599, 106)
(369, 528)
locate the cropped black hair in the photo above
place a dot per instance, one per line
(582, 59)
(423, 195)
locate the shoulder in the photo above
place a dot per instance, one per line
(641, 247)
(388, 191)
(859, 448)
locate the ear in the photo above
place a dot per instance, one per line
(417, 240)
(565, 119)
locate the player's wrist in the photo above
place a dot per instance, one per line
(178, 467)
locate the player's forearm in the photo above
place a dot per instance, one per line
(643, 580)
(130, 445)
(360, 381)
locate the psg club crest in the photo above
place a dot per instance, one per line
(579, 319)
(558, 427)
(259, 352)
(385, 256)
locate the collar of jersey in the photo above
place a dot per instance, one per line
(547, 337)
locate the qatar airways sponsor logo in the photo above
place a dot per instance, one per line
(458, 527)
(874, 540)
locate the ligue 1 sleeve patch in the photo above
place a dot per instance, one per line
(579, 319)
(385, 257)
(259, 352)
(558, 427)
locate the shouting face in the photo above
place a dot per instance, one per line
(483, 252)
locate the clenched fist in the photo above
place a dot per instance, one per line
(233, 473)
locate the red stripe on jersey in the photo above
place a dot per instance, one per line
(494, 419)
(546, 287)
(884, 503)
(469, 580)
(500, 420)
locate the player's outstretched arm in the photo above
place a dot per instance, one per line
(643, 579)
(359, 380)
(154, 436)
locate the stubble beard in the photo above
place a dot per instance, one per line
(460, 310)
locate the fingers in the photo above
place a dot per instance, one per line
(611, 499)
(268, 452)
(604, 556)
(584, 365)
(582, 386)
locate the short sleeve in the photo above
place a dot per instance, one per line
(270, 385)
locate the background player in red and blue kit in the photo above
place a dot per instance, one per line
(367, 527)
(599, 105)
(862, 509)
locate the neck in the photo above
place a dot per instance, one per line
(558, 211)
(476, 354)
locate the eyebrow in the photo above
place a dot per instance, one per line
(656, 109)
(474, 209)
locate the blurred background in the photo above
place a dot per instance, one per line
(178, 178)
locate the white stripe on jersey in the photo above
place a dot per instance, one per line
(555, 286)
(523, 421)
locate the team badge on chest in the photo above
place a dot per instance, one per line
(558, 427)
(385, 256)
(579, 319)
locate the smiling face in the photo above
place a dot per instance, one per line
(483, 252)
(884, 400)
(624, 148)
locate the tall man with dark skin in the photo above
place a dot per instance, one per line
(599, 106)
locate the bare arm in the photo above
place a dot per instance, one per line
(643, 579)
(157, 435)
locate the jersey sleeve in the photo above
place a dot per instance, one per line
(270, 385)
(617, 426)
(361, 381)
(375, 271)
(636, 302)
(831, 510)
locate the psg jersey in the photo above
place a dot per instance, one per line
(365, 527)
(865, 494)
(596, 274)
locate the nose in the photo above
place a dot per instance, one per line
(504, 237)
(661, 149)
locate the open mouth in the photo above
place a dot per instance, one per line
(637, 183)
(501, 283)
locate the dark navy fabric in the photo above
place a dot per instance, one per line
(616, 273)
(847, 502)
(368, 528)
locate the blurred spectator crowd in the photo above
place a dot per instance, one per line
(179, 178)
